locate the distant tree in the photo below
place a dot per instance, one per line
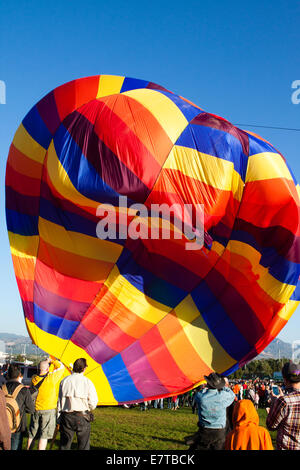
(260, 368)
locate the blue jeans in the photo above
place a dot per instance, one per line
(16, 441)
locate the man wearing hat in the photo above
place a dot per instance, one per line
(212, 403)
(284, 414)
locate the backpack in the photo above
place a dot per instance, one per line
(12, 407)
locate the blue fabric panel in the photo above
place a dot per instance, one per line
(54, 325)
(122, 386)
(219, 323)
(36, 127)
(146, 282)
(22, 224)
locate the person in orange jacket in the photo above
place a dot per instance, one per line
(246, 433)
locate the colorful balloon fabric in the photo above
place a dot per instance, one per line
(151, 317)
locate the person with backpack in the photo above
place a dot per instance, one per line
(5, 434)
(18, 403)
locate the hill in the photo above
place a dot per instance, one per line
(17, 344)
(278, 349)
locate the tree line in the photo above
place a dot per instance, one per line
(259, 368)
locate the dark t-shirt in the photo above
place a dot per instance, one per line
(24, 401)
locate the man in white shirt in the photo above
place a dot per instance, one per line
(77, 398)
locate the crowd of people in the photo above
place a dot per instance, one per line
(227, 411)
(55, 399)
(228, 417)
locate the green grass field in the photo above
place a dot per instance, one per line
(118, 428)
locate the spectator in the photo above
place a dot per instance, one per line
(194, 403)
(43, 421)
(24, 401)
(175, 403)
(245, 388)
(241, 392)
(159, 403)
(229, 411)
(284, 414)
(246, 433)
(213, 402)
(236, 390)
(144, 405)
(2, 378)
(5, 434)
(250, 394)
(256, 399)
(77, 398)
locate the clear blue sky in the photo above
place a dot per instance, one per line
(235, 59)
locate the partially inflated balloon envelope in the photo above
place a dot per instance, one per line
(151, 315)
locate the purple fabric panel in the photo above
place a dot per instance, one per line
(93, 345)
(57, 305)
(28, 310)
(21, 203)
(48, 112)
(141, 372)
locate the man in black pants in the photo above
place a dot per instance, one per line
(77, 397)
(212, 402)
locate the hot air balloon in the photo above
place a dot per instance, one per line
(151, 315)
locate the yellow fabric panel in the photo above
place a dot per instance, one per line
(109, 85)
(288, 309)
(165, 111)
(97, 376)
(67, 352)
(22, 245)
(279, 291)
(265, 166)
(27, 145)
(94, 371)
(78, 243)
(206, 168)
(135, 300)
(31, 328)
(200, 336)
(217, 248)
